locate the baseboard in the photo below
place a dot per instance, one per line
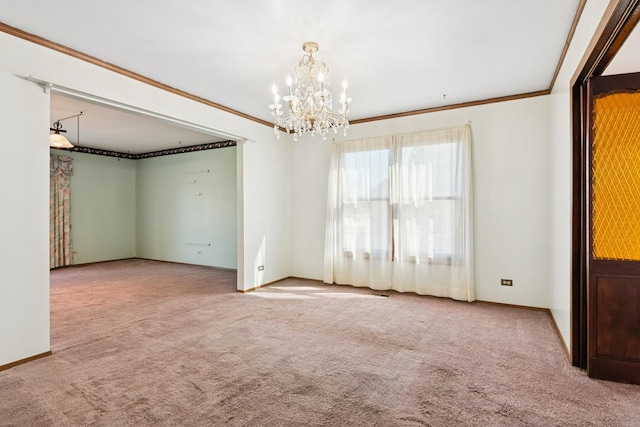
(280, 280)
(186, 263)
(255, 288)
(501, 304)
(564, 344)
(84, 264)
(546, 310)
(143, 259)
(26, 360)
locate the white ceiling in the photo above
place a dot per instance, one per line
(398, 56)
(113, 129)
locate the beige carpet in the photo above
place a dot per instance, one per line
(144, 343)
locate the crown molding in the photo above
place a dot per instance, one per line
(122, 71)
(452, 106)
(93, 60)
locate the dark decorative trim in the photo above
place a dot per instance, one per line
(97, 151)
(201, 147)
(26, 360)
(180, 150)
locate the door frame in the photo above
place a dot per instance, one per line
(624, 17)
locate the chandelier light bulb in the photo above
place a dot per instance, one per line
(289, 81)
(274, 89)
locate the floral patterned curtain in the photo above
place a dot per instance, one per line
(60, 171)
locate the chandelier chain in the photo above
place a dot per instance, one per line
(57, 125)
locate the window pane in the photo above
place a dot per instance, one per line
(426, 201)
(428, 195)
(367, 174)
(429, 171)
(365, 208)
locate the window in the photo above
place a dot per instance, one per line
(398, 202)
(365, 209)
(428, 198)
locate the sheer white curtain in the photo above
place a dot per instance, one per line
(399, 214)
(359, 232)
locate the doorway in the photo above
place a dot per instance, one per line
(605, 294)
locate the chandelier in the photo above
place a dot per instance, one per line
(309, 101)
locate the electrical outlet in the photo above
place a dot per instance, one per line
(260, 267)
(506, 282)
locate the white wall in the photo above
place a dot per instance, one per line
(309, 180)
(270, 217)
(184, 215)
(24, 219)
(511, 182)
(267, 214)
(560, 171)
(282, 195)
(263, 197)
(103, 207)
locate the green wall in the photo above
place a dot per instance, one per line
(148, 208)
(186, 208)
(103, 207)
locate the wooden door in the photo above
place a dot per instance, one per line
(614, 229)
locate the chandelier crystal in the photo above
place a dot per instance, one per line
(309, 101)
